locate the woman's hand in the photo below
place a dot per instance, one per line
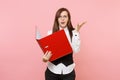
(79, 26)
(47, 56)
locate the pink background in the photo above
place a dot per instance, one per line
(20, 55)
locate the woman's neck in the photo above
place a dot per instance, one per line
(62, 28)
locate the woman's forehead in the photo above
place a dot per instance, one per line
(64, 13)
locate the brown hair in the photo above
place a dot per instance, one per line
(69, 24)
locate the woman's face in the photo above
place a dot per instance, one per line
(63, 19)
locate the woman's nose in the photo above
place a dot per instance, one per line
(62, 19)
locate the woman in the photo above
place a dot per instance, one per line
(63, 68)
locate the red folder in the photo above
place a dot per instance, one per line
(57, 43)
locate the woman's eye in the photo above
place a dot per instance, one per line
(60, 17)
(64, 16)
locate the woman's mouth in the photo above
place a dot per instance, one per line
(62, 22)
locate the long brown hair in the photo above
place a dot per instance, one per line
(69, 24)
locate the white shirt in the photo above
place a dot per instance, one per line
(75, 44)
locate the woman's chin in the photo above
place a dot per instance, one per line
(63, 26)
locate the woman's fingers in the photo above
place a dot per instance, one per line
(83, 23)
(47, 56)
(46, 53)
(79, 26)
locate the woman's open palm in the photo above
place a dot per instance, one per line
(79, 26)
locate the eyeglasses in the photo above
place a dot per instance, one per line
(65, 16)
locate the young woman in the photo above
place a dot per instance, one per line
(63, 68)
